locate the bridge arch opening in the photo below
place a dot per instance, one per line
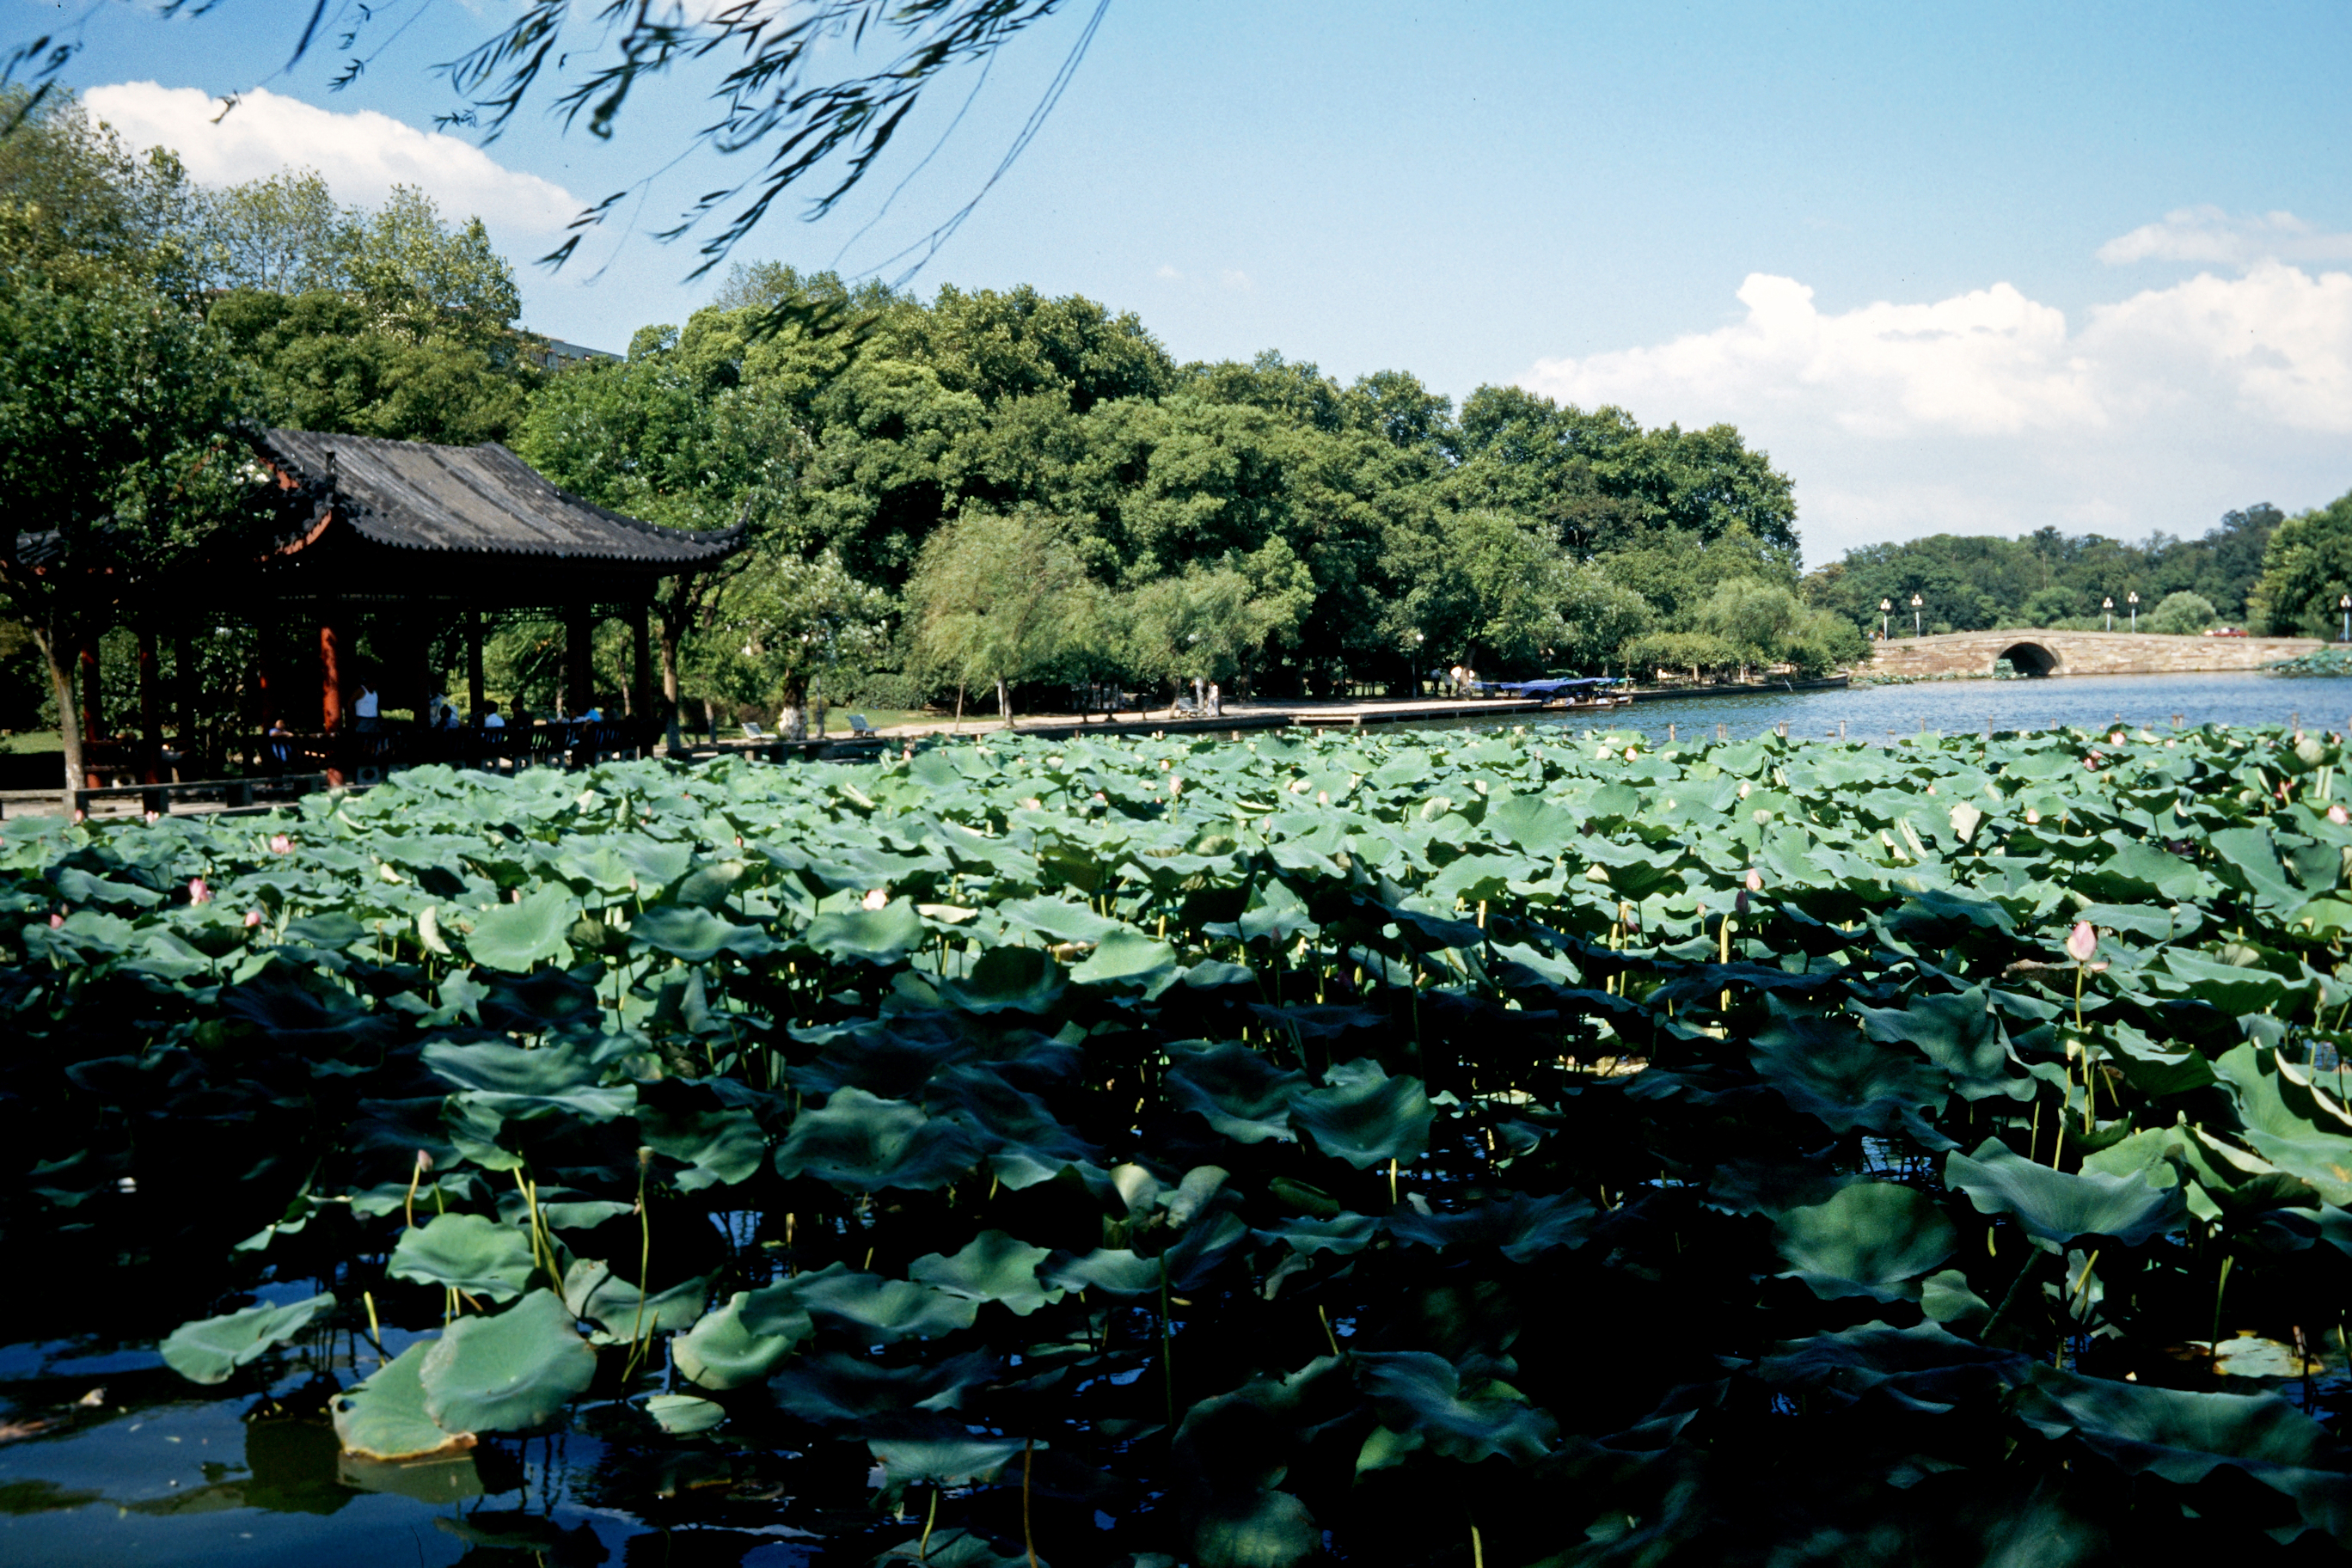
(2030, 658)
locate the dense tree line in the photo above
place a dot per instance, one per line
(959, 498)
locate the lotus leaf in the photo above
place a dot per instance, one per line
(829, 1388)
(511, 1373)
(680, 1414)
(593, 1292)
(696, 935)
(383, 1417)
(745, 1341)
(1873, 1239)
(1364, 1115)
(1239, 1092)
(993, 1267)
(881, 1311)
(524, 933)
(858, 1139)
(2060, 1205)
(1128, 959)
(1523, 1228)
(477, 1255)
(210, 1349)
(2297, 1130)
(691, 1123)
(946, 1462)
(876, 936)
(1425, 1400)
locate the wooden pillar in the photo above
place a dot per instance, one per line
(473, 665)
(579, 673)
(151, 712)
(334, 661)
(641, 637)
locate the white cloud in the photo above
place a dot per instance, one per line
(362, 155)
(1168, 274)
(1235, 279)
(1989, 412)
(2208, 235)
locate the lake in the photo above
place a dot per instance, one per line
(1877, 712)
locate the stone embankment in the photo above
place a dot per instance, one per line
(2037, 651)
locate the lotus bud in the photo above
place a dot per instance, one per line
(1175, 786)
(154, 815)
(197, 892)
(281, 845)
(57, 922)
(1739, 902)
(424, 1162)
(2339, 816)
(2081, 943)
(1755, 881)
(252, 918)
(645, 1156)
(2032, 815)
(877, 898)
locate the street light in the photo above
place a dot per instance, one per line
(2132, 598)
(1915, 602)
(2108, 605)
(1885, 609)
(2343, 603)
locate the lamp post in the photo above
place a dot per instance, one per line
(2343, 603)
(2109, 606)
(1915, 603)
(1885, 609)
(2132, 599)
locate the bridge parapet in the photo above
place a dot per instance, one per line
(2036, 650)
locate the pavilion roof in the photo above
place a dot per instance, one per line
(477, 500)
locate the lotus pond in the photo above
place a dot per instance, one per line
(1450, 1147)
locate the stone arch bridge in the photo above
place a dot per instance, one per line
(2038, 651)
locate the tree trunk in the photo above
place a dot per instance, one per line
(958, 718)
(61, 686)
(1004, 704)
(791, 720)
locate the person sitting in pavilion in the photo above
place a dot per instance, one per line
(490, 718)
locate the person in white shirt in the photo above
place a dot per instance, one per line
(368, 708)
(490, 720)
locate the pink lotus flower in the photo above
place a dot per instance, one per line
(2081, 943)
(2339, 816)
(252, 918)
(1755, 881)
(197, 892)
(57, 922)
(281, 845)
(878, 898)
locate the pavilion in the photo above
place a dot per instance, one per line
(406, 538)
(412, 533)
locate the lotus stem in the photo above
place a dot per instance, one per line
(645, 1263)
(375, 1329)
(930, 1518)
(408, 1205)
(1478, 1547)
(2213, 1340)
(1028, 1446)
(1329, 1338)
(1167, 1350)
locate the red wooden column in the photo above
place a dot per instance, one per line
(334, 659)
(334, 709)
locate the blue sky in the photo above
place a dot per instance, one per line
(1979, 268)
